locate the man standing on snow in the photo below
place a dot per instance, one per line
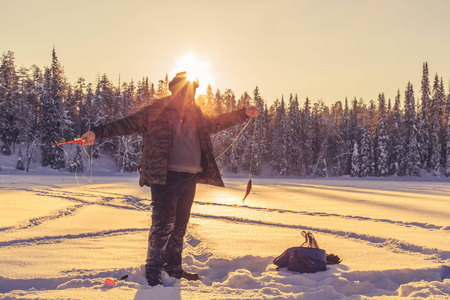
(177, 153)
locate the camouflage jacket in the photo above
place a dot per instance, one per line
(153, 123)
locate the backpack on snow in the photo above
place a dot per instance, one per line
(308, 258)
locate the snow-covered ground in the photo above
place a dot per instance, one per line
(61, 240)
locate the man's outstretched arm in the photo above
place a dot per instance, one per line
(227, 120)
(132, 124)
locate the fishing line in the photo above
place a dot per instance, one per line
(89, 163)
(76, 165)
(69, 161)
(232, 143)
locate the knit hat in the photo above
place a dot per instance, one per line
(180, 83)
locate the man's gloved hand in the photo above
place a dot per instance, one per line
(88, 138)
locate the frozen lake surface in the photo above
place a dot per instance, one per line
(61, 240)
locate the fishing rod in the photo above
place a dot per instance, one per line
(75, 141)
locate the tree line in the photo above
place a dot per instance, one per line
(405, 136)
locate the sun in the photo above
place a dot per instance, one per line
(196, 68)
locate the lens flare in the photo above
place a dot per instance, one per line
(196, 68)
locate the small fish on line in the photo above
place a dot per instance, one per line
(249, 188)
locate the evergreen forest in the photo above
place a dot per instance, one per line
(405, 136)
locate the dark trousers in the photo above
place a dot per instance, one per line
(172, 204)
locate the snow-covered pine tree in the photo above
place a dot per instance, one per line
(260, 144)
(209, 106)
(382, 138)
(293, 140)
(166, 86)
(279, 162)
(51, 118)
(160, 90)
(246, 139)
(372, 116)
(435, 147)
(412, 149)
(396, 158)
(218, 103)
(244, 101)
(27, 107)
(103, 110)
(366, 154)
(389, 122)
(127, 152)
(442, 123)
(306, 135)
(221, 141)
(24, 106)
(264, 123)
(356, 164)
(152, 93)
(424, 130)
(335, 143)
(78, 102)
(87, 109)
(8, 102)
(447, 162)
(258, 101)
(71, 109)
(345, 154)
(85, 93)
(31, 84)
(413, 159)
(61, 89)
(105, 101)
(143, 93)
(36, 95)
(163, 88)
(320, 114)
(121, 109)
(354, 131)
(229, 100)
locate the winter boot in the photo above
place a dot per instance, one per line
(185, 275)
(154, 279)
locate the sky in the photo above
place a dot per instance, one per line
(325, 50)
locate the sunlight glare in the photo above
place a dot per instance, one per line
(196, 68)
